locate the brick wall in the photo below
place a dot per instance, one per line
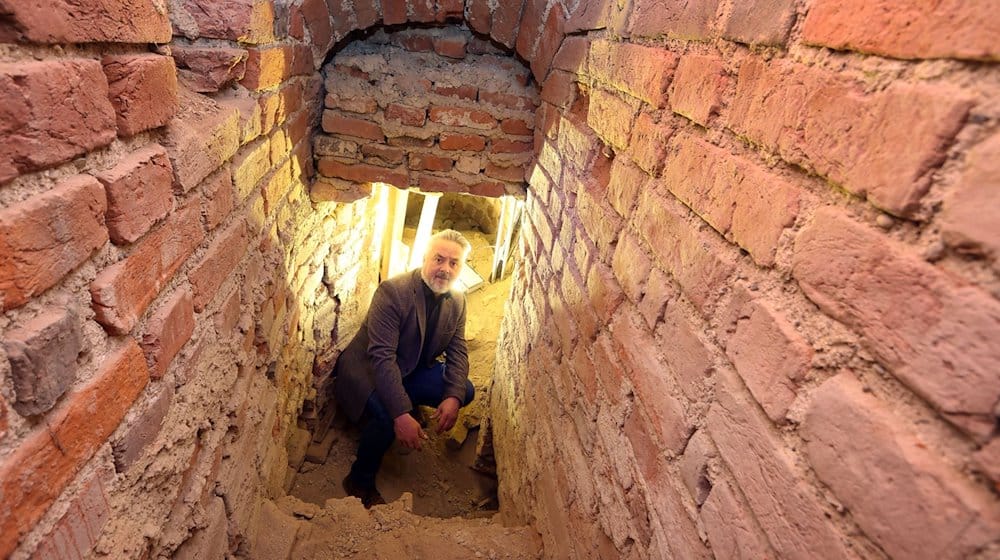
(757, 311)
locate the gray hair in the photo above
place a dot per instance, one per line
(454, 237)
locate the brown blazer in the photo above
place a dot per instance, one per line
(387, 347)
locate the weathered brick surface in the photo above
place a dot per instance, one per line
(139, 191)
(964, 223)
(208, 70)
(268, 67)
(460, 116)
(462, 142)
(732, 195)
(42, 354)
(122, 292)
(351, 126)
(45, 237)
(246, 21)
(687, 255)
(218, 200)
(612, 117)
(218, 263)
(506, 22)
(934, 334)
(805, 115)
(690, 20)
(902, 494)
(788, 511)
(765, 22)
(731, 529)
(642, 72)
(412, 116)
(143, 89)
(770, 357)
(128, 448)
(906, 29)
(34, 474)
(78, 530)
(479, 17)
(90, 21)
(362, 173)
(202, 136)
(51, 111)
(696, 91)
(549, 41)
(168, 329)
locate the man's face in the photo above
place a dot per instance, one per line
(442, 264)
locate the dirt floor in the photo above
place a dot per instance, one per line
(440, 477)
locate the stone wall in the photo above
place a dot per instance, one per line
(758, 310)
(756, 316)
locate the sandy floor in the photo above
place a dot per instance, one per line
(440, 478)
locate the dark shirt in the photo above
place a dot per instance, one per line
(432, 306)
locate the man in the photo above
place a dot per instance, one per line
(393, 364)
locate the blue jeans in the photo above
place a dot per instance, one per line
(425, 387)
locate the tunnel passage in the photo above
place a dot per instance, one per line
(743, 219)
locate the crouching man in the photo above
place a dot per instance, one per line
(409, 352)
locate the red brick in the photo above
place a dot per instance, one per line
(611, 117)
(760, 22)
(659, 290)
(904, 496)
(249, 167)
(38, 470)
(428, 162)
(690, 21)
(986, 460)
(644, 369)
(141, 432)
(559, 88)
(139, 191)
(415, 40)
(643, 72)
(530, 29)
(45, 237)
(508, 100)
(366, 15)
(246, 21)
(516, 127)
(589, 16)
(77, 531)
(167, 331)
(275, 189)
(805, 114)
(624, 185)
(268, 67)
(506, 21)
(411, 142)
(219, 262)
(462, 92)
(228, 316)
(362, 173)
(43, 353)
(218, 201)
(488, 188)
(200, 139)
(731, 529)
(732, 195)
(393, 11)
(479, 16)
(122, 292)
(548, 43)
(459, 116)
(631, 266)
(451, 46)
(385, 156)
(689, 358)
(422, 11)
(964, 224)
(572, 55)
(504, 146)
(434, 183)
(358, 128)
(353, 101)
(207, 70)
(412, 116)
(946, 352)
(765, 472)
(649, 143)
(696, 91)
(143, 90)
(464, 142)
(513, 173)
(450, 10)
(906, 29)
(316, 15)
(4, 423)
(577, 143)
(687, 254)
(51, 112)
(770, 356)
(91, 21)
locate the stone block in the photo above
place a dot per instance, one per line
(139, 192)
(143, 90)
(42, 354)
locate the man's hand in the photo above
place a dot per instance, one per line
(408, 431)
(446, 414)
